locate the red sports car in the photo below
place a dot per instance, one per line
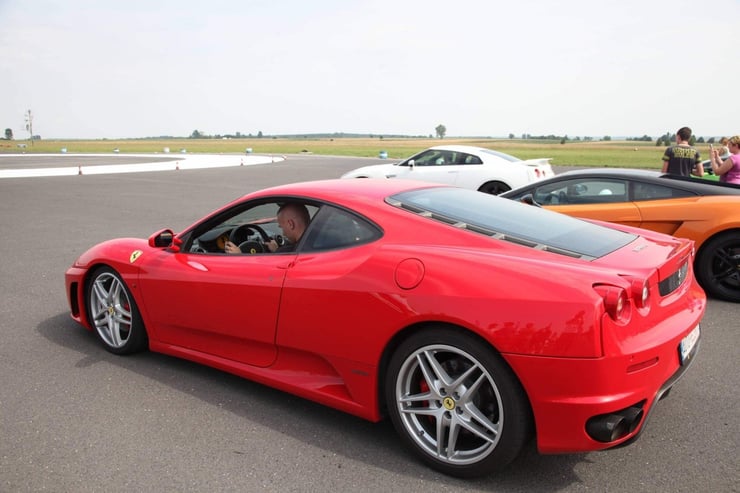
(473, 321)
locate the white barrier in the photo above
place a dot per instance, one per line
(183, 162)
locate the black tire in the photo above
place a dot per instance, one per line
(717, 266)
(494, 187)
(487, 410)
(113, 313)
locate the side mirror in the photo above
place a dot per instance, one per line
(529, 200)
(411, 163)
(165, 239)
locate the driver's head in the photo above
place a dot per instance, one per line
(293, 220)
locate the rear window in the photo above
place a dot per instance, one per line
(513, 221)
(502, 155)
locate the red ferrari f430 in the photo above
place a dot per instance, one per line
(473, 322)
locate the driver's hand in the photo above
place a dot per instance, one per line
(272, 245)
(230, 247)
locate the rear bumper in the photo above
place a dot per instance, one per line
(570, 398)
(662, 392)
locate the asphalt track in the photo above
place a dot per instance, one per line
(74, 418)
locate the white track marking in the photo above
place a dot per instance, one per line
(180, 162)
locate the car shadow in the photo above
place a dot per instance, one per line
(376, 444)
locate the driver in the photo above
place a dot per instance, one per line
(293, 220)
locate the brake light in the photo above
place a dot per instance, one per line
(616, 302)
(640, 293)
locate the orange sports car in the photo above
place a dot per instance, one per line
(703, 211)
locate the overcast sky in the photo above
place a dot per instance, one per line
(138, 68)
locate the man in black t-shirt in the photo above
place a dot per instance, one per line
(682, 159)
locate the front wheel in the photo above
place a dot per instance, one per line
(494, 187)
(113, 313)
(718, 266)
(457, 403)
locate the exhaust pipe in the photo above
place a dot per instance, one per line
(610, 427)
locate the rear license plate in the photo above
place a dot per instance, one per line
(688, 343)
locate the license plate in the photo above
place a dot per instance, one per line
(685, 349)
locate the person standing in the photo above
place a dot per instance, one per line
(728, 169)
(682, 159)
(724, 151)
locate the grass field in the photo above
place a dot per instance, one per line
(623, 154)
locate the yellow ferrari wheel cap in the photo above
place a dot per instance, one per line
(449, 403)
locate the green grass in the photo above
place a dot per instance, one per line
(622, 154)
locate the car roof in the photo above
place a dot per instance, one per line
(695, 185)
(460, 148)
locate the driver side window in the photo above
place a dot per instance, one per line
(249, 226)
(336, 228)
(434, 157)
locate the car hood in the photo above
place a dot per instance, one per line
(120, 251)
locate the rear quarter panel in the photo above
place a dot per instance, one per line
(519, 305)
(697, 218)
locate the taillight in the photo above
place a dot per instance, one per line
(616, 302)
(640, 293)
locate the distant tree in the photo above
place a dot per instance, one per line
(8, 134)
(710, 140)
(441, 131)
(606, 137)
(197, 134)
(511, 136)
(692, 140)
(700, 140)
(259, 134)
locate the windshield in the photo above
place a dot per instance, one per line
(513, 221)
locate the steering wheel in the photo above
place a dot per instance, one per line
(240, 236)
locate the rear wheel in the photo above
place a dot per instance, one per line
(494, 187)
(718, 266)
(457, 403)
(113, 313)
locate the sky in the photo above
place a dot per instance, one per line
(91, 69)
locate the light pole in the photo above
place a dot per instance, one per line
(29, 124)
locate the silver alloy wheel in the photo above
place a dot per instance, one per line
(449, 404)
(110, 308)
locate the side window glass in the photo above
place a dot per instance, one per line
(337, 228)
(470, 159)
(553, 194)
(582, 192)
(597, 191)
(446, 158)
(651, 191)
(427, 158)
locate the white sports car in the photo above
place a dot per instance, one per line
(470, 167)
